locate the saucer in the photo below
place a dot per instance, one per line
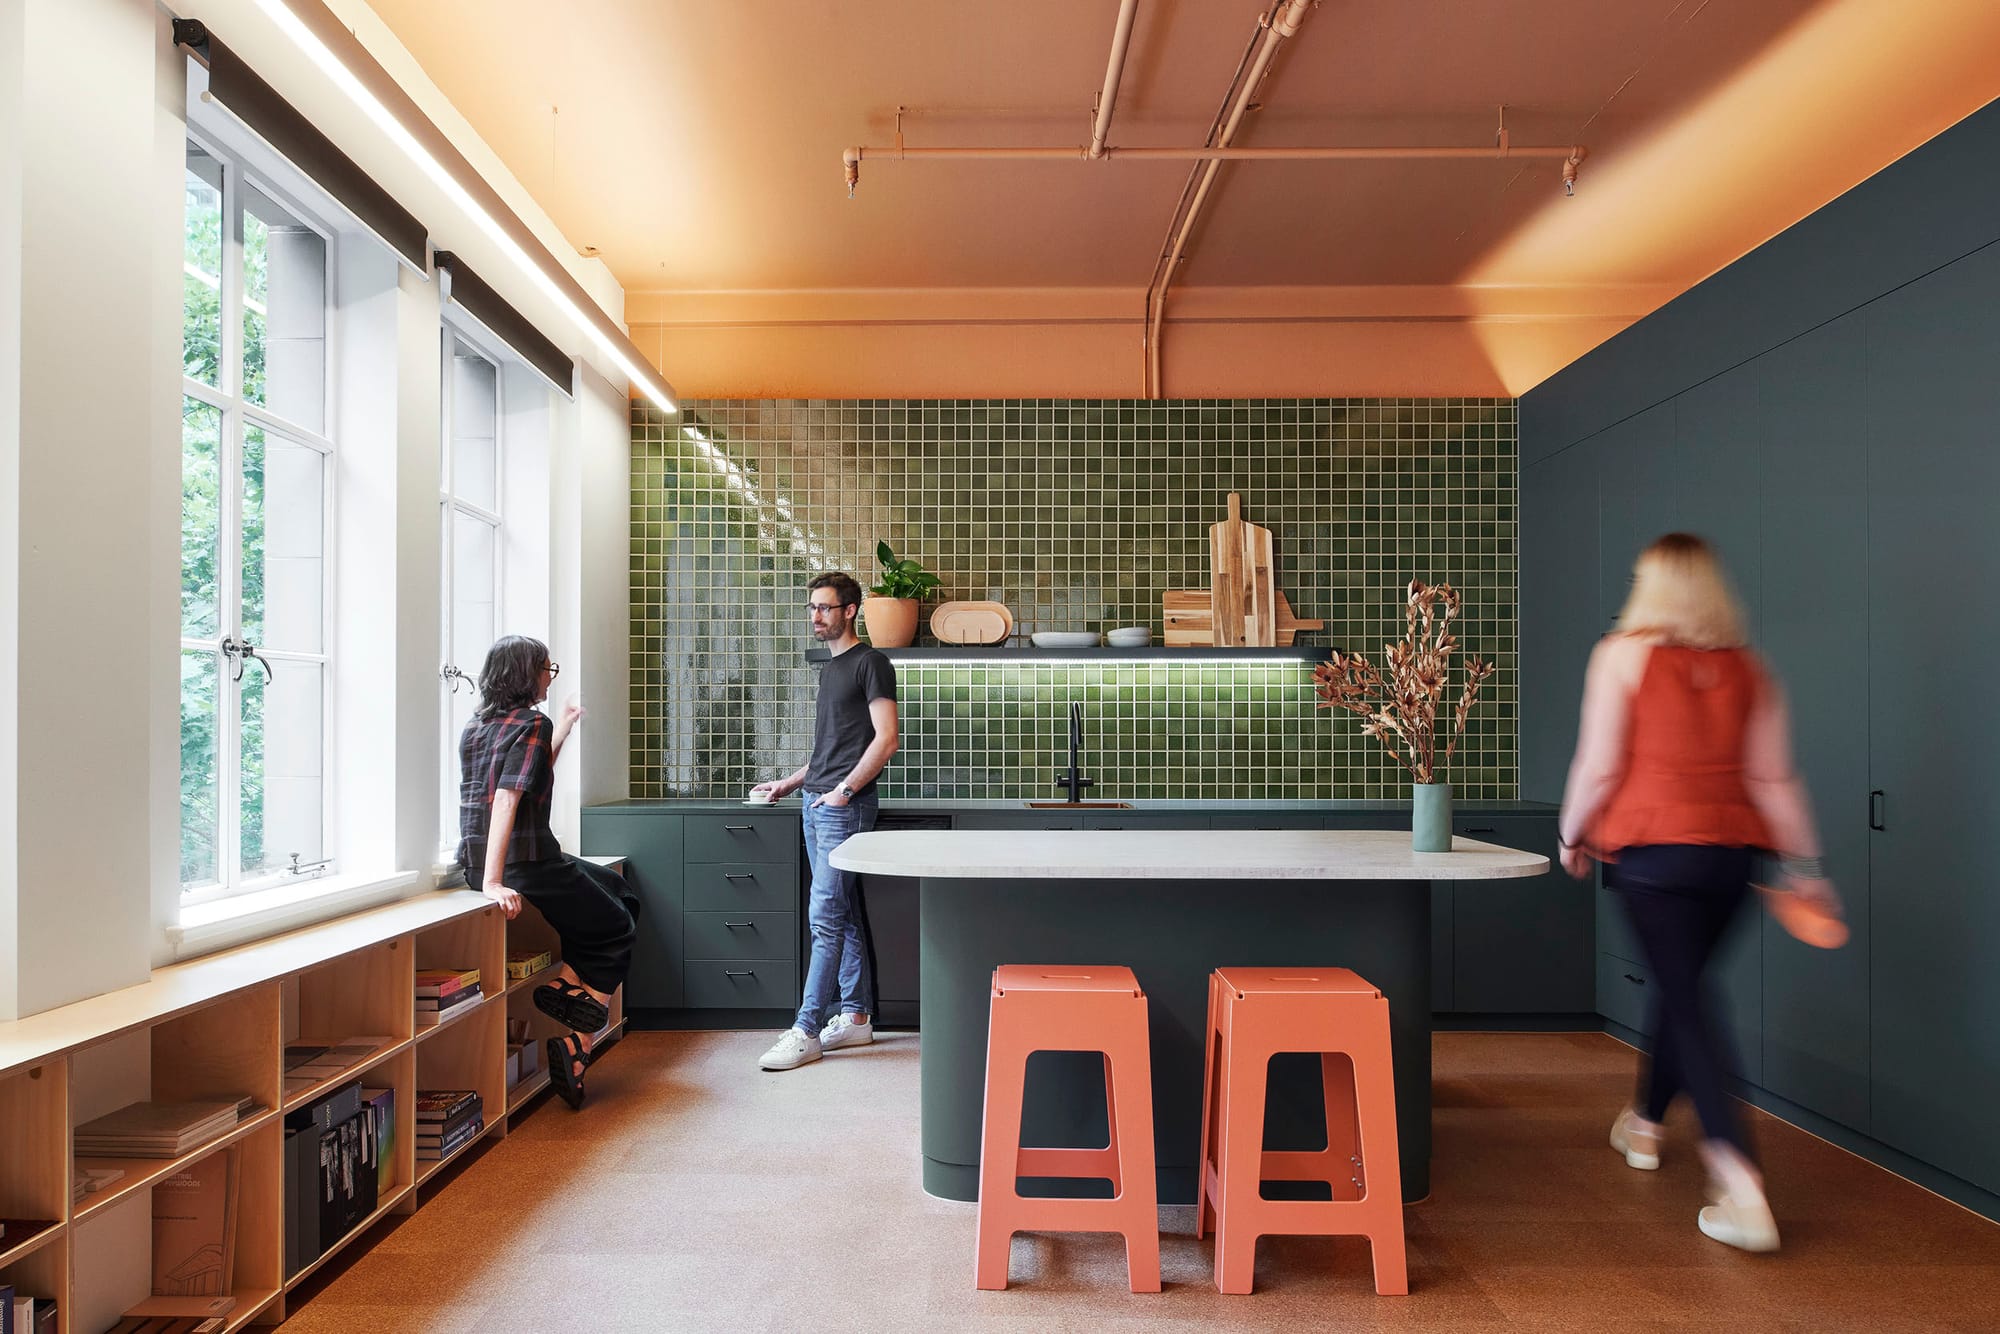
(748, 802)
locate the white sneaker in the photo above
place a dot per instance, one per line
(842, 1031)
(1747, 1227)
(794, 1049)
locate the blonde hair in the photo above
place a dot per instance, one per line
(1680, 595)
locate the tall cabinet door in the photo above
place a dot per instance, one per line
(1718, 435)
(1559, 611)
(1814, 633)
(1933, 391)
(1639, 499)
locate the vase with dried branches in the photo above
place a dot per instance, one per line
(1399, 701)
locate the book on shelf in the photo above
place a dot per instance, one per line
(90, 1180)
(435, 982)
(431, 1012)
(194, 1229)
(440, 1104)
(157, 1129)
(170, 1324)
(6, 1308)
(526, 963)
(203, 1307)
(437, 1150)
(45, 1315)
(380, 1104)
(15, 1231)
(430, 1132)
(324, 1061)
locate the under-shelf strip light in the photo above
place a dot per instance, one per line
(577, 305)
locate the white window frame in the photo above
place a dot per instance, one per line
(238, 417)
(450, 505)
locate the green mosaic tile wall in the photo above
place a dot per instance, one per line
(1077, 514)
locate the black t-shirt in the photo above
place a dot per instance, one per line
(842, 729)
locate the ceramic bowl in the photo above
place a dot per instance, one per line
(1129, 636)
(1064, 639)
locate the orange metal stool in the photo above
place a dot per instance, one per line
(1063, 1008)
(1254, 1013)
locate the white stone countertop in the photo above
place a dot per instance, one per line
(1175, 854)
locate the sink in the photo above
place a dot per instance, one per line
(1078, 805)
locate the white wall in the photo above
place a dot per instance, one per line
(90, 292)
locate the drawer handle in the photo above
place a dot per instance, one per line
(739, 875)
(733, 925)
(739, 972)
(1480, 829)
(738, 828)
(1640, 980)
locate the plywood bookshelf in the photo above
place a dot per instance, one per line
(216, 1027)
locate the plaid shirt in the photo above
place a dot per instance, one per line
(511, 750)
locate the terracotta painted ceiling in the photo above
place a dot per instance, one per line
(695, 145)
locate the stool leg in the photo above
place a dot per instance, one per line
(999, 1153)
(1116, 1163)
(1343, 1136)
(1245, 1074)
(1204, 1214)
(1375, 1090)
(1132, 1127)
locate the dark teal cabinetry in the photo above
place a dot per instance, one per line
(650, 843)
(1520, 946)
(1933, 414)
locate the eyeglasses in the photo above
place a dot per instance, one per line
(554, 670)
(824, 608)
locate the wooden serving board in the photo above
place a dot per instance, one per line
(1242, 582)
(1190, 623)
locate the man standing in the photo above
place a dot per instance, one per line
(854, 734)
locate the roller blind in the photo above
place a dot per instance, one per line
(236, 86)
(471, 293)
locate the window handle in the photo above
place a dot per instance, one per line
(239, 653)
(451, 676)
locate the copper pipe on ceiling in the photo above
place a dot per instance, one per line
(1121, 38)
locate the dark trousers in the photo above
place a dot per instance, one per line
(593, 911)
(1680, 900)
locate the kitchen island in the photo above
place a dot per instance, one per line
(1171, 905)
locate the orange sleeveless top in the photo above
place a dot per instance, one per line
(1683, 780)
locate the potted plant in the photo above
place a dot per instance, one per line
(1401, 707)
(890, 615)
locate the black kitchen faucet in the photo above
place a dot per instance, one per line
(1074, 779)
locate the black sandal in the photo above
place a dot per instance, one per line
(567, 1062)
(571, 1006)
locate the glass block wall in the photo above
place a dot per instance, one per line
(1078, 515)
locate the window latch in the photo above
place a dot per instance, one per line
(451, 676)
(308, 868)
(239, 652)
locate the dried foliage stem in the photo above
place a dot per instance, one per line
(1399, 703)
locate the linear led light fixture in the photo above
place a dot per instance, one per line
(353, 70)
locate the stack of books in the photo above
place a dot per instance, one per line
(156, 1129)
(89, 1180)
(309, 1062)
(526, 963)
(442, 991)
(447, 1120)
(26, 1315)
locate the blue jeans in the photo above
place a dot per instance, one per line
(833, 911)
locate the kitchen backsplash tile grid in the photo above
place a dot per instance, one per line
(1077, 515)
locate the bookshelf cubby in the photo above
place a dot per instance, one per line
(216, 1028)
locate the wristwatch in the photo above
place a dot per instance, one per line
(844, 790)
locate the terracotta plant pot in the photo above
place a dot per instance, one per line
(890, 622)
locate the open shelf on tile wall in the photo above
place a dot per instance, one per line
(1154, 653)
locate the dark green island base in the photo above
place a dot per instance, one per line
(1171, 933)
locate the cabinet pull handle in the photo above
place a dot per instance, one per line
(738, 828)
(739, 875)
(1877, 801)
(737, 924)
(1480, 829)
(739, 972)
(1640, 980)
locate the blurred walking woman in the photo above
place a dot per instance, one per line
(1683, 773)
(507, 759)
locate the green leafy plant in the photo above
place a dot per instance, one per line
(902, 578)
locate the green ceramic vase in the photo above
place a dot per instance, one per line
(1430, 817)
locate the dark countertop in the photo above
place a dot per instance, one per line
(1165, 806)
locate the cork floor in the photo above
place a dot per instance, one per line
(696, 1193)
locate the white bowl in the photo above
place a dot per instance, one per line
(1130, 636)
(1064, 639)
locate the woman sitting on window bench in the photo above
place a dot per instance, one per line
(507, 761)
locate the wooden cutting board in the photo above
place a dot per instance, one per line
(1242, 581)
(1189, 622)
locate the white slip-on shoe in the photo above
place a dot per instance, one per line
(1747, 1227)
(1640, 1147)
(842, 1031)
(794, 1048)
